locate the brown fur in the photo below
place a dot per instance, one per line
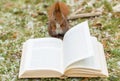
(57, 14)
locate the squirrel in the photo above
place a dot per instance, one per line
(57, 16)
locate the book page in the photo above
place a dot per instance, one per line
(77, 44)
(23, 59)
(94, 66)
(103, 60)
(44, 54)
(92, 62)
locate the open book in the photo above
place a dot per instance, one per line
(77, 55)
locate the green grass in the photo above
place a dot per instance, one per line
(14, 30)
(108, 5)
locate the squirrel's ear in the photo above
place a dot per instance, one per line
(64, 8)
(58, 6)
(50, 11)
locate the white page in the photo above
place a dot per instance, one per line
(92, 62)
(45, 42)
(103, 59)
(77, 44)
(23, 59)
(45, 54)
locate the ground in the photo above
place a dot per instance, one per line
(24, 19)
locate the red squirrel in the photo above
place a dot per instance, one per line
(57, 16)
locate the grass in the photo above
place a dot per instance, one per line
(22, 19)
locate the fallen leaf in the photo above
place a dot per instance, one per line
(97, 25)
(15, 34)
(104, 42)
(34, 15)
(107, 55)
